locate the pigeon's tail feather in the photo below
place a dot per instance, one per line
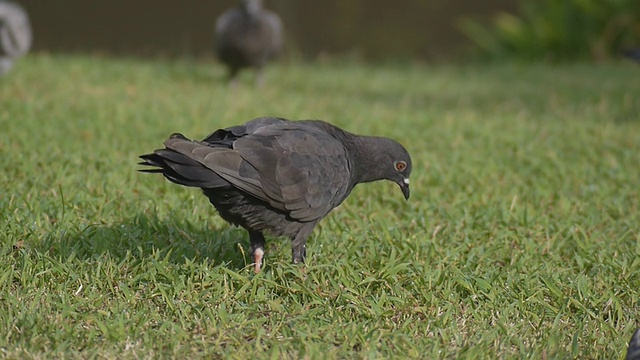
(633, 353)
(181, 169)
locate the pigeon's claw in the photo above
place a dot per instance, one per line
(257, 259)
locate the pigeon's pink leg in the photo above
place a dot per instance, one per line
(256, 249)
(257, 259)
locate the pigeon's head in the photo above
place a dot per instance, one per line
(394, 164)
(252, 6)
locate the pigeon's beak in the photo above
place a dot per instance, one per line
(404, 186)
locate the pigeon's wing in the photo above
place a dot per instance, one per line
(304, 171)
(177, 163)
(226, 137)
(210, 162)
(224, 162)
(225, 21)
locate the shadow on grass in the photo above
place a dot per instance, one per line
(144, 235)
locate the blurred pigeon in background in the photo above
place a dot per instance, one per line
(15, 34)
(248, 36)
(278, 176)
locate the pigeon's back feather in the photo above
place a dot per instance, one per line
(303, 172)
(295, 167)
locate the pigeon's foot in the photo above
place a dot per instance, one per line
(299, 243)
(299, 255)
(256, 249)
(257, 259)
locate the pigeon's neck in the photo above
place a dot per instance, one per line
(252, 7)
(365, 155)
(367, 158)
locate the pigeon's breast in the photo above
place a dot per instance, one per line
(241, 209)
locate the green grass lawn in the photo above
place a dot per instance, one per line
(521, 238)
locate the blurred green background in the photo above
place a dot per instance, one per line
(369, 29)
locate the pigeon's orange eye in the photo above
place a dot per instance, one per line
(400, 165)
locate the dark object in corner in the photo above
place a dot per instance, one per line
(633, 352)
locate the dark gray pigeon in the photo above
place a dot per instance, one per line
(15, 34)
(248, 36)
(633, 352)
(278, 176)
